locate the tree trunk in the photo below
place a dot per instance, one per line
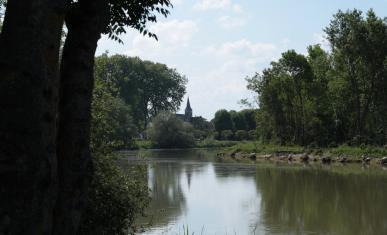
(85, 22)
(29, 54)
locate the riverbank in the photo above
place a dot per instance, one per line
(254, 151)
(251, 151)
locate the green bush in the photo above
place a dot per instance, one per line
(241, 135)
(252, 135)
(115, 198)
(168, 131)
(227, 135)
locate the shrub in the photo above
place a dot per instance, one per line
(227, 135)
(252, 135)
(168, 131)
(241, 135)
(115, 198)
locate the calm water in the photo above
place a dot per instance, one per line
(190, 188)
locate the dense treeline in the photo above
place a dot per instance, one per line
(328, 97)
(232, 125)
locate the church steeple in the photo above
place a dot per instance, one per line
(188, 111)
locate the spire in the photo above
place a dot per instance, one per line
(188, 105)
(188, 112)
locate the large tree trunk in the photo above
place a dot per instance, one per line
(85, 22)
(29, 52)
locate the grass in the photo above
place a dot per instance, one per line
(344, 150)
(143, 144)
(259, 148)
(256, 147)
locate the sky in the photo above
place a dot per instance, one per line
(216, 44)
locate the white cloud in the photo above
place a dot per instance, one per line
(229, 22)
(244, 48)
(172, 35)
(204, 5)
(212, 4)
(237, 8)
(224, 80)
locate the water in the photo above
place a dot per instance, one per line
(191, 188)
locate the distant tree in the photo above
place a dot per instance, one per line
(223, 121)
(238, 120)
(250, 118)
(241, 135)
(168, 131)
(227, 135)
(202, 126)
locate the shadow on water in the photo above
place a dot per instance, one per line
(190, 187)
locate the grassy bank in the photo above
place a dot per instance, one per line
(259, 148)
(344, 150)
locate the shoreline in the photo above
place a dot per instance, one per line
(301, 158)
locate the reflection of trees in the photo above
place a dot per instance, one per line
(225, 170)
(166, 178)
(168, 200)
(297, 201)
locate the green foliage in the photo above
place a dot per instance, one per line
(111, 126)
(145, 86)
(238, 123)
(222, 121)
(203, 128)
(241, 135)
(328, 97)
(227, 135)
(115, 198)
(168, 131)
(259, 148)
(133, 14)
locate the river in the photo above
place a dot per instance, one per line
(191, 188)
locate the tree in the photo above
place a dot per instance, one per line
(86, 20)
(29, 55)
(53, 165)
(112, 126)
(238, 120)
(283, 90)
(146, 86)
(168, 131)
(359, 52)
(222, 121)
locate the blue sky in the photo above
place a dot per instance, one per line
(217, 43)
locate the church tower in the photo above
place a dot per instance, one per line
(188, 112)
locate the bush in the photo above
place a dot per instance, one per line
(252, 135)
(226, 135)
(168, 131)
(241, 135)
(115, 198)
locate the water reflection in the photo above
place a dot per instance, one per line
(191, 188)
(310, 201)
